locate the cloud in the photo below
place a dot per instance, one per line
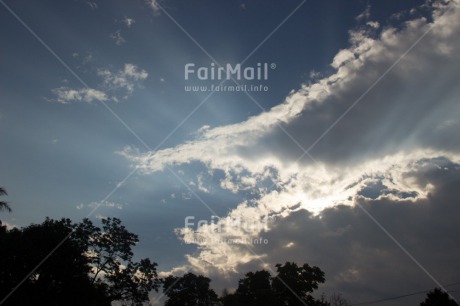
(343, 57)
(384, 155)
(129, 21)
(353, 250)
(405, 111)
(125, 79)
(66, 95)
(373, 24)
(92, 5)
(117, 37)
(155, 6)
(397, 179)
(85, 59)
(121, 82)
(415, 200)
(364, 15)
(315, 75)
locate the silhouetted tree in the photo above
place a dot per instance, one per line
(189, 290)
(229, 299)
(110, 253)
(293, 284)
(90, 266)
(438, 297)
(62, 279)
(255, 289)
(3, 204)
(337, 299)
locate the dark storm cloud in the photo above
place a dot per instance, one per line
(360, 259)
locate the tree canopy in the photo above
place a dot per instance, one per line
(62, 263)
(256, 289)
(3, 204)
(438, 297)
(189, 290)
(292, 285)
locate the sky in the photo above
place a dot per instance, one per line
(337, 143)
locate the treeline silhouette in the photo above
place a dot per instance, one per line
(60, 263)
(63, 263)
(291, 286)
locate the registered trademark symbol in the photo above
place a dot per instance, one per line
(273, 66)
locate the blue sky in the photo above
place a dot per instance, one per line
(360, 112)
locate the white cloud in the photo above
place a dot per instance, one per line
(343, 57)
(154, 5)
(364, 15)
(117, 37)
(66, 95)
(201, 184)
(88, 58)
(314, 75)
(129, 21)
(343, 241)
(125, 79)
(357, 68)
(383, 139)
(92, 5)
(312, 190)
(373, 24)
(85, 59)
